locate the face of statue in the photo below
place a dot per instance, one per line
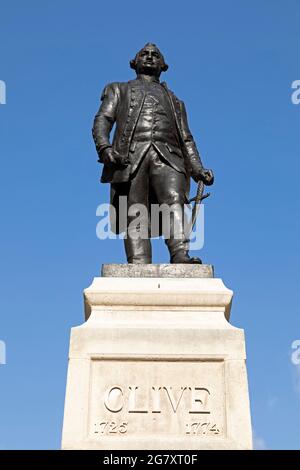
(149, 61)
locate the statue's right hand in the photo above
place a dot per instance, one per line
(108, 157)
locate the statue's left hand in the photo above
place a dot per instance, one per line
(207, 176)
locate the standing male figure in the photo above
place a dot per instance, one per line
(153, 153)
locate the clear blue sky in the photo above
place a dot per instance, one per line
(233, 64)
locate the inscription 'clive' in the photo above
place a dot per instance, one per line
(133, 399)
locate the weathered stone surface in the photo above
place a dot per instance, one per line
(157, 366)
(158, 270)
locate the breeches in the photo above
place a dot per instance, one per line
(155, 180)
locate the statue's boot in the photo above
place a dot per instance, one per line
(182, 257)
(138, 251)
(179, 252)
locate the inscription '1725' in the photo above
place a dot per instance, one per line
(133, 399)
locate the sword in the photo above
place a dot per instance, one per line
(198, 199)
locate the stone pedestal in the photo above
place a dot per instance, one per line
(157, 365)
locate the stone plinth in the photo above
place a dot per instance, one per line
(157, 270)
(157, 366)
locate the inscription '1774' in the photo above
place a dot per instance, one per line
(133, 399)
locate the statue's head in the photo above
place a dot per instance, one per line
(149, 61)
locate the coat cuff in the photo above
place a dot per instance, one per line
(100, 151)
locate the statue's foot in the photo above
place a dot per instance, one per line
(182, 257)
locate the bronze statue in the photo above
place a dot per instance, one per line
(153, 153)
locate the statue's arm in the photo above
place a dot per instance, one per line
(198, 172)
(105, 118)
(189, 144)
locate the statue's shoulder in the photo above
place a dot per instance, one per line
(117, 86)
(108, 89)
(111, 86)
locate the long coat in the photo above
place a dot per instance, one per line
(121, 104)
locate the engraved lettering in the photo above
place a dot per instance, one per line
(156, 407)
(123, 428)
(132, 398)
(110, 427)
(199, 399)
(174, 403)
(114, 400)
(132, 401)
(202, 428)
(136, 400)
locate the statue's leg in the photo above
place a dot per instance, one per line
(169, 186)
(137, 242)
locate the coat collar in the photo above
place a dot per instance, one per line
(150, 80)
